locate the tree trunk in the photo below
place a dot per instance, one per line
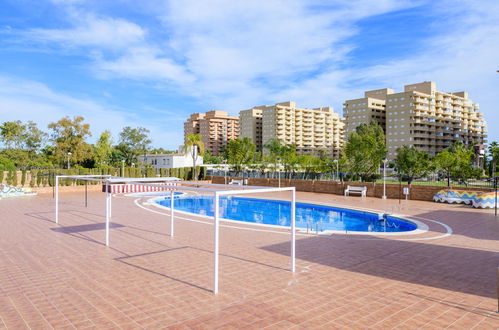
(194, 165)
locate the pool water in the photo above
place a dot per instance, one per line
(274, 212)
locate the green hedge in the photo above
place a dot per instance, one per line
(46, 177)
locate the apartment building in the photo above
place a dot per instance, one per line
(364, 110)
(420, 116)
(215, 127)
(250, 125)
(311, 130)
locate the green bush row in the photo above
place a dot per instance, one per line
(44, 178)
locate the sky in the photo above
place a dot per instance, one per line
(152, 63)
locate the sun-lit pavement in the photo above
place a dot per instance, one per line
(62, 276)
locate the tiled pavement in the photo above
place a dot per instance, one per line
(64, 277)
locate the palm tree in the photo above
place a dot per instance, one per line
(192, 144)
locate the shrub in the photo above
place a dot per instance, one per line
(32, 178)
(23, 178)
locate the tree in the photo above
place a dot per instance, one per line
(133, 141)
(275, 151)
(239, 152)
(208, 158)
(455, 161)
(309, 164)
(103, 149)
(12, 134)
(365, 149)
(289, 158)
(412, 163)
(33, 137)
(22, 142)
(192, 145)
(494, 156)
(69, 136)
(6, 165)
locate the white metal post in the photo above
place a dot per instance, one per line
(215, 249)
(107, 213)
(110, 204)
(279, 171)
(384, 178)
(225, 171)
(57, 199)
(293, 230)
(171, 212)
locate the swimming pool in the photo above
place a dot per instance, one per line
(274, 212)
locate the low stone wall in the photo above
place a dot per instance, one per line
(67, 189)
(393, 191)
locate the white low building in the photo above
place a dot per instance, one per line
(170, 160)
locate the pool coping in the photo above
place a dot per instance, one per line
(420, 229)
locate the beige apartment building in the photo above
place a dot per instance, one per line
(250, 125)
(420, 116)
(215, 127)
(311, 130)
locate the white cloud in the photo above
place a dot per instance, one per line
(92, 31)
(235, 54)
(25, 100)
(221, 51)
(144, 63)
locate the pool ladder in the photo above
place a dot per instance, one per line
(310, 226)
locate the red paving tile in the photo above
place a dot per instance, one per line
(62, 276)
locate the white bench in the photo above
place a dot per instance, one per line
(239, 182)
(353, 189)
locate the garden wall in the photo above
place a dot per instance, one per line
(394, 191)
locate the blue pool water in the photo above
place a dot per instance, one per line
(272, 212)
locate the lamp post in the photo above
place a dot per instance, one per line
(279, 171)
(69, 156)
(225, 171)
(385, 161)
(123, 168)
(337, 169)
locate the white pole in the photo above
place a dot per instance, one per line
(57, 199)
(384, 179)
(110, 204)
(107, 213)
(293, 230)
(215, 252)
(171, 212)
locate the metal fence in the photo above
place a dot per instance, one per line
(430, 180)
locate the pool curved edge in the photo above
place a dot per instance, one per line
(421, 227)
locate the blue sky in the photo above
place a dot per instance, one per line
(152, 63)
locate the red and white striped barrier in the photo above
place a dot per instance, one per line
(134, 188)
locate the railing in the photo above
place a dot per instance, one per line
(430, 180)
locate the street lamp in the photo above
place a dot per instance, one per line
(225, 171)
(69, 155)
(337, 169)
(385, 162)
(123, 168)
(279, 171)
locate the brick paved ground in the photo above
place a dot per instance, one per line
(64, 277)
